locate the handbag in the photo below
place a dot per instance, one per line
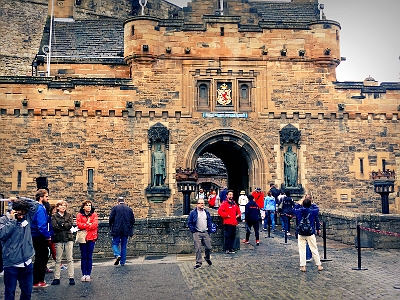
(81, 237)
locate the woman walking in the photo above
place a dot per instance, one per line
(308, 214)
(87, 220)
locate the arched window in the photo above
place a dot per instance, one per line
(203, 96)
(244, 96)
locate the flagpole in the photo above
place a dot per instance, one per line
(51, 33)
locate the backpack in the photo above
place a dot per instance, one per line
(305, 227)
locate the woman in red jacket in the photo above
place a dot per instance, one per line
(87, 220)
(229, 211)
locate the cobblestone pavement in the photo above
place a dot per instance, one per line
(268, 271)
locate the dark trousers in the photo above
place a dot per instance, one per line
(24, 276)
(256, 226)
(230, 235)
(87, 257)
(41, 246)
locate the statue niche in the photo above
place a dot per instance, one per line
(158, 190)
(290, 139)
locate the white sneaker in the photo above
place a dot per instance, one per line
(87, 278)
(83, 279)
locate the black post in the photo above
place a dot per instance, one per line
(385, 203)
(324, 240)
(359, 249)
(186, 202)
(285, 236)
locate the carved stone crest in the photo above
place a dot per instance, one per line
(158, 133)
(290, 134)
(224, 95)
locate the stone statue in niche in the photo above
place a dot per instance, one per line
(290, 168)
(158, 167)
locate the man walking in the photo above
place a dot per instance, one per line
(121, 226)
(199, 223)
(16, 238)
(252, 211)
(41, 238)
(229, 211)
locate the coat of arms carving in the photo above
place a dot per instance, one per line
(224, 95)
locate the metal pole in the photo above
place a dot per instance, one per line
(186, 202)
(385, 203)
(324, 239)
(51, 33)
(359, 249)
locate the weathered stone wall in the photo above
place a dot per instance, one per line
(155, 236)
(21, 29)
(341, 226)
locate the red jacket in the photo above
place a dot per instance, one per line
(258, 198)
(91, 229)
(228, 212)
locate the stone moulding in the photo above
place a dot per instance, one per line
(125, 113)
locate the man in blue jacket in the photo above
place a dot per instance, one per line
(16, 238)
(199, 223)
(121, 223)
(41, 239)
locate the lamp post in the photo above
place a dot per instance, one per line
(186, 181)
(384, 185)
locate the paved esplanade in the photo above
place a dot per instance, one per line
(269, 271)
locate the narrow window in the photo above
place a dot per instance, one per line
(19, 180)
(362, 165)
(133, 30)
(383, 165)
(222, 31)
(203, 91)
(90, 176)
(244, 91)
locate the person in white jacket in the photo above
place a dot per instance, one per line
(243, 200)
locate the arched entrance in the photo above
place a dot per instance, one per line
(244, 161)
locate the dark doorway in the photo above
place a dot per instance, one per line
(235, 160)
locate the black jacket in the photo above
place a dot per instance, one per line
(252, 211)
(121, 220)
(61, 226)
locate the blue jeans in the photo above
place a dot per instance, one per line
(285, 219)
(269, 218)
(116, 240)
(308, 252)
(87, 257)
(25, 278)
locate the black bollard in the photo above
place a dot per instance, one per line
(269, 231)
(324, 240)
(359, 249)
(285, 236)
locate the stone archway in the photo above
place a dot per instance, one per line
(244, 160)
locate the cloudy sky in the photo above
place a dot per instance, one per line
(370, 37)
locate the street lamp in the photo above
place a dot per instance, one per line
(187, 182)
(384, 185)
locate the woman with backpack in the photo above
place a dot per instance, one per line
(307, 226)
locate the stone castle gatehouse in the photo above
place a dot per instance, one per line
(111, 98)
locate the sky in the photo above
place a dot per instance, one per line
(369, 38)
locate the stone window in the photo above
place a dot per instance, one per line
(244, 96)
(90, 178)
(203, 99)
(19, 179)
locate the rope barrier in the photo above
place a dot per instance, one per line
(380, 231)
